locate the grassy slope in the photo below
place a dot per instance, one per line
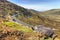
(52, 14)
(18, 27)
(34, 19)
(53, 18)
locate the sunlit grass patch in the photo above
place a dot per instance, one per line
(18, 27)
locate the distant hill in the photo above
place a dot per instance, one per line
(52, 12)
(35, 11)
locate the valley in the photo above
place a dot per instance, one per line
(19, 23)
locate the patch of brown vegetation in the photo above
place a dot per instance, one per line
(18, 35)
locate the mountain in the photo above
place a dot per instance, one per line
(9, 28)
(54, 18)
(34, 11)
(53, 14)
(17, 18)
(9, 8)
(13, 8)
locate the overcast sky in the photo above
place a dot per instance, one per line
(40, 5)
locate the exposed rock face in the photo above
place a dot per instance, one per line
(45, 30)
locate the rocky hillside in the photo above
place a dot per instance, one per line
(54, 18)
(13, 16)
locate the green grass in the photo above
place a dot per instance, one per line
(18, 27)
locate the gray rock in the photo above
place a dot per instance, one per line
(43, 29)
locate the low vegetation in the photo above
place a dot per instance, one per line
(18, 27)
(49, 18)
